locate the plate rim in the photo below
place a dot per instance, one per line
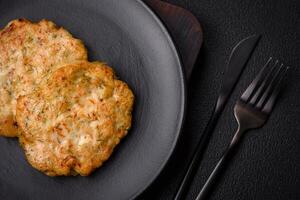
(182, 100)
(182, 78)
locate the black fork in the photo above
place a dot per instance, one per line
(251, 111)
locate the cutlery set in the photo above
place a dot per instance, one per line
(251, 110)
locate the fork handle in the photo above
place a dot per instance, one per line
(206, 189)
(196, 159)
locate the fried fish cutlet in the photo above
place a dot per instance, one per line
(73, 121)
(29, 51)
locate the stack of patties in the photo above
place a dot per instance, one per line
(68, 113)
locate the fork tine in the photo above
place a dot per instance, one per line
(265, 83)
(270, 87)
(273, 97)
(256, 82)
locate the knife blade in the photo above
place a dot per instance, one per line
(238, 59)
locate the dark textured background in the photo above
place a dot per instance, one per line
(267, 165)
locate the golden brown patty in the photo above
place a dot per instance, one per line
(73, 121)
(28, 51)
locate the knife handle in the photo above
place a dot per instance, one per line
(206, 189)
(197, 157)
(245, 49)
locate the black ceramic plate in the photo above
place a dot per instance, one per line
(129, 37)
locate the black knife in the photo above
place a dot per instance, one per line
(237, 62)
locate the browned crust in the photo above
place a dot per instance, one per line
(16, 65)
(74, 120)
